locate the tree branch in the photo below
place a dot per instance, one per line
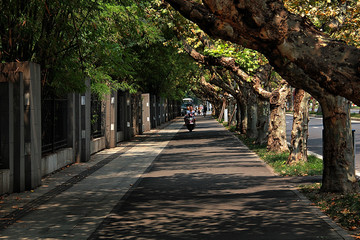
(285, 39)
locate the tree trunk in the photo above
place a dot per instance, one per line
(338, 151)
(313, 101)
(277, 126)
(263, 122)
(238, 115)
(244, 117)
(299, 133)
(252, 116)
(290, 101)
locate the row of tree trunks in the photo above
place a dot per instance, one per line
(304, 56)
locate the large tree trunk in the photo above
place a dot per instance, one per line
(263, 122)
(338, 151)
(289, 41)
(277, 126)
(299, 132)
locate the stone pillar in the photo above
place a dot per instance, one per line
(85, 123)
(166, 110)
(128, 120)
(110, 120)
(146, 125)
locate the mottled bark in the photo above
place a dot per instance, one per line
(338, 151)
(251, 131)
(277, 126)
(238, 115)
(263, 122)
(313, 104)
(299, 132)
(244, 118)
(290, 42)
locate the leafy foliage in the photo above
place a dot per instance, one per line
(248, 59)
(74, 40)
(340, 18)
(163, 71)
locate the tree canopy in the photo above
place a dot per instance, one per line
(302, 54)
(107, 41)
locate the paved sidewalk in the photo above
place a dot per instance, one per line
(170, 185)
(71, 203)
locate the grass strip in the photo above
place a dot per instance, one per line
(277, 161)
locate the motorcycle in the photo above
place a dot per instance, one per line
(190, 122)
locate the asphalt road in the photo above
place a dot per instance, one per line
(315, 136)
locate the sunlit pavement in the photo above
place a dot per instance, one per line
(170, 185)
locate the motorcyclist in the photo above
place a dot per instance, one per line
(189, 113)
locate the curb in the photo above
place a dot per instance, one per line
(343, 233)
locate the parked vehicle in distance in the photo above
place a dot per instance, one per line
(185, 103)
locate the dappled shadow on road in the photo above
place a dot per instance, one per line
(209, 206)
(207, 185)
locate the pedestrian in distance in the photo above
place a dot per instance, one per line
(204, 110)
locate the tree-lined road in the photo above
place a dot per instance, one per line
(315, 136)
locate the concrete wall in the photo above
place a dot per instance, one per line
(53, 162)
(5, 180)
(97, 144)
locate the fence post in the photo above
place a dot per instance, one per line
(85, 124)
(146, 112)
(110, 120)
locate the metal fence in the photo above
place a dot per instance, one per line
(96, 117)
(54, 124)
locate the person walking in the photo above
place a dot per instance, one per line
(204, 110)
